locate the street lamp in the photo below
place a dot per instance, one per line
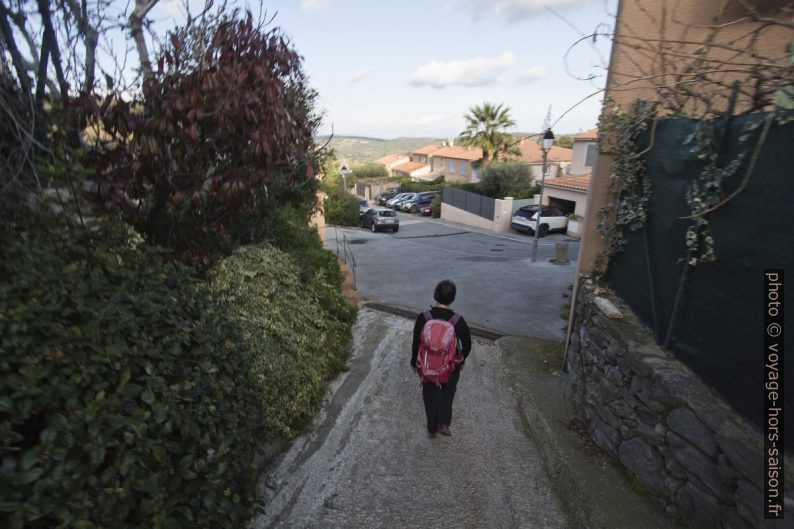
(545, 145)
(344, 170)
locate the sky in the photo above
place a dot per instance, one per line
(390, 69)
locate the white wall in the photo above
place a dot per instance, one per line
(503, 213)
(579, 156)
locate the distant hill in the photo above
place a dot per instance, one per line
(362, 149)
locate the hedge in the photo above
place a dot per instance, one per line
(126, 398)
(341, 208)
(298, 329)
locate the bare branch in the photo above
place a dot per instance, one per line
(10, 44)
(142, 8)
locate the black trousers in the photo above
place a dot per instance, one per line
(438, 402)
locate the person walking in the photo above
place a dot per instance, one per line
(439, 394)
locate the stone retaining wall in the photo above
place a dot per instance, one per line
(669, 429)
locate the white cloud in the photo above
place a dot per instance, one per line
(514, 10)
(359, 76)
(473, 72)
(534, 74)
(315, 6)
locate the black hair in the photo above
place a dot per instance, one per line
(445, 292)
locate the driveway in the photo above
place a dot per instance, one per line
(499, 287)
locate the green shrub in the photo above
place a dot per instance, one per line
(300, 331)
(437, 206)
(126, 397)
(504, 179)
(420, 187)
(368, 170)
(341, 208)
(287, 228)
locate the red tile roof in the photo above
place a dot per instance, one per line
(390, 158)
(579, 182)
(459, 153)
(591, 135)
(427, 149)
(409, 167)
(531, 153)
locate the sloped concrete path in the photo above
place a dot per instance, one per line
(369, 462)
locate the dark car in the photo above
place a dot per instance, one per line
(380, 219)
(419, 200)
(383, 197)
(551, 219)
(363, 206)
(426, 210)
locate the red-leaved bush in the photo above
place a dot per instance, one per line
(224, 130)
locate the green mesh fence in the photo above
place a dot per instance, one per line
(716, 324)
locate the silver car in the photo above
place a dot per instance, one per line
(396, 200)
(380, 219)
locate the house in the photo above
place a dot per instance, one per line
(557, 160)
(456, 163)
(391, 161)
(425, 154)
(417, 171)
(568, 193)
(641, 300)
(585, 150)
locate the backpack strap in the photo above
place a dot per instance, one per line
(454, 319)
(427, 316)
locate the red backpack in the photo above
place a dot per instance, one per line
(438, 350)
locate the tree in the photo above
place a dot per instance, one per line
(504, 179)
(564, 141)
(225, 129)
(370, 170)
(485, 129)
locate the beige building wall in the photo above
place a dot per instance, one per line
(552, 171)
(579, 157)
(637, 69)
(441, 166)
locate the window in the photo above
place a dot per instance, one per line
(476, 173)
(451, 166)
(463, 169)
(589, 158)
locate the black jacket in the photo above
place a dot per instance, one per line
(461, 331)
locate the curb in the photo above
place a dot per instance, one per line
(410, 313)
(593, 488)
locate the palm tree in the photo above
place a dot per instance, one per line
(485, 129)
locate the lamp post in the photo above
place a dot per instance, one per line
(344, 171)
(545, 145)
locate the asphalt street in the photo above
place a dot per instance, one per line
(499, 287)
(511, 462)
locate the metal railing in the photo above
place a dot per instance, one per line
(346, 254)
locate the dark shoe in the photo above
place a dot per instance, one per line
(431, 434)
(445, 431)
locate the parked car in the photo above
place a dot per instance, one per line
(419, 200)
(426, 209)
(363, 206)
(551, 219)
(395, 204)
(383, 197)
(379, 219)
(399, 198)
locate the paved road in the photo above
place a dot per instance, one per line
(369, 462)
(499, 287)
